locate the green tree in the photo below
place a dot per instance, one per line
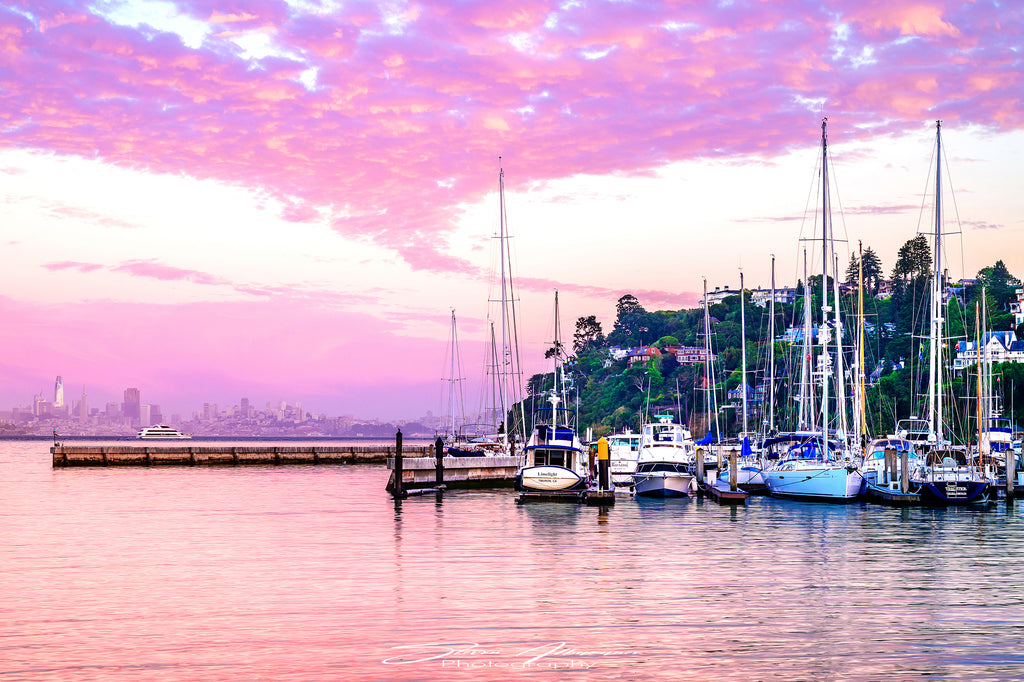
(914, 260)
(588, 336)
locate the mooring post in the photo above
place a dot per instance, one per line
(733, 473)
(1011, 473)
(904, 472)
(439, 462)
(397, 490)
(700, 466)
(602, 464)
(889, 466)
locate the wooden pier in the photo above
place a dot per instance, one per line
(458, 472)
(164, 454)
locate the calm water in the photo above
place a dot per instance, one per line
(313, 573)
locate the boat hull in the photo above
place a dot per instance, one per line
(663, 484)
(954, 492)
(823, 483)
(549, 478)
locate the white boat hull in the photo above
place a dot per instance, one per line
(664, 484)
(821, 482)
(548, 478)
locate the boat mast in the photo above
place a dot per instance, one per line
(771, 357)
(806, 394)
(455, 370)
(935, 331)
(708, 386)
(743, 345)
(825, 308)
(977, 355)
(503, 381)
(559, 376)
(510, 387)
(861, 398)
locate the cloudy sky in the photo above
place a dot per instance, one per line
(284, 200)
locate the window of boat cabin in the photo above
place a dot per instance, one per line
(557, 458)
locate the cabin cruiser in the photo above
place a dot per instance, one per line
(663, 462)
(555, 460)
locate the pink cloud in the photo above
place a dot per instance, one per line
(403, 100)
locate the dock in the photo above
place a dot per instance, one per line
(723, 495)
(164, 454)
(459, 472)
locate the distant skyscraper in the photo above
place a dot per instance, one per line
(132, 402)
(83, 406)
(244, 408)
(144, 415)
(58, 392)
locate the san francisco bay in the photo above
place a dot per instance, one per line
(315, 573)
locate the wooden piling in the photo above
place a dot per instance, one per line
(700, 466)
(397, 491)
(733, 473)
(439, 462)
(904, 471)
(1011, 474)
(889, 466)
(603, 456)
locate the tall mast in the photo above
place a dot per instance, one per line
(935, 331)
(454, 371)
(709, 405)
(860, 396)
(771, 356)
(503, 381)
(806, 394)
(825, 308)
(743, 345)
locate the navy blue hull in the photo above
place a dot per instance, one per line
(954, 492)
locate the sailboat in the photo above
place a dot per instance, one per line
(817, 463)
(748, 463)
(948, 478)
(556, 465)
(501, 405)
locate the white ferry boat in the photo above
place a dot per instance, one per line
(162, 432)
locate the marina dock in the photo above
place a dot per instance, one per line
(459, 472)
(164, 454)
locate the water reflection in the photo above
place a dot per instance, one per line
(296, 573)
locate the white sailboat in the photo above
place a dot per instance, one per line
(948, 477)
(818, 463)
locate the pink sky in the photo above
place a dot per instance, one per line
(283, 201)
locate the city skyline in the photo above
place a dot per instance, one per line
(287, 199)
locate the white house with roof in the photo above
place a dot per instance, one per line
(762, 297)
(995, 346)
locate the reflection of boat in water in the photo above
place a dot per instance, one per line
(664, 460)
(623, 449)
(162, 432)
